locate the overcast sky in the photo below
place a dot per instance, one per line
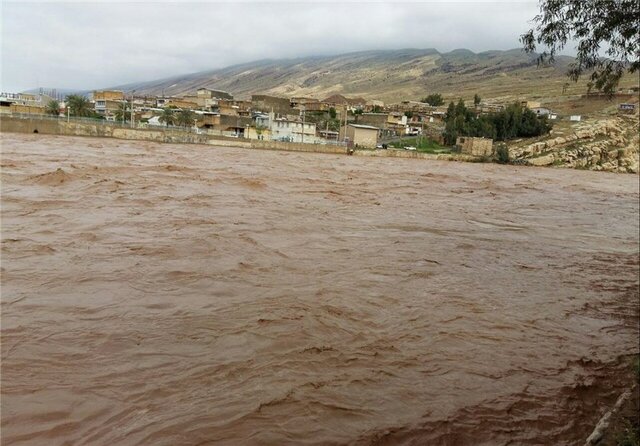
(88, 45)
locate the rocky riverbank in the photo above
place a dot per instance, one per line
(607, 145)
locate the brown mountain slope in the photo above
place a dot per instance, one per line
(392, 76)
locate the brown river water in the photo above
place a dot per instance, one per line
(159, 294)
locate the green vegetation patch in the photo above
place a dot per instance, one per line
(422, 144)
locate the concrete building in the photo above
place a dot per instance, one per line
(23, 103)
(268, 104)
(108, 95)
(338, 100)
(475, 146)
(208, 120)
(27, 109)
(530, 104)
(207, 93)
(227, 107)
(106, 102)
(180, 103)
(360, 135)
(317, 107)
(297, 101)
(207, 99)
(329, 135)
(282, 129)
(161, 101)
(541, 111)
(293, 131)
(395, 119)
(373, 119)
(258, 133)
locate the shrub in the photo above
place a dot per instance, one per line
(502, 154)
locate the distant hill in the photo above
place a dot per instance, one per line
(389, 75)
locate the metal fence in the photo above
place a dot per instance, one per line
(97, 121)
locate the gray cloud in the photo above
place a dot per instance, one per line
(93, 45)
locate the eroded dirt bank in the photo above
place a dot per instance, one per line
(166, 294)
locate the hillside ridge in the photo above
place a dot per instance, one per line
(389, 75)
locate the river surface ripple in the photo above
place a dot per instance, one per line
(181, 294)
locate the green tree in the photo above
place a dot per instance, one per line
(408, 114)
(332, 113)
(377, 109)
(476, 99)
(532, 124)
(593, 24)
(513, 122)
(167, 116)
(123, 112)
(79, 105)
(53, 108)
(461, 109)
(434, 99)
(450, 131)
(185, 118)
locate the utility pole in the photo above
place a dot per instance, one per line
(344, 138)
(132, 91)
(302, 137)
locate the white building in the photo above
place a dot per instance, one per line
(287, 130)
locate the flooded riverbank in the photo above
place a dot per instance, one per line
(166, 294)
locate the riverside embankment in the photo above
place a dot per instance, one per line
(102, 129)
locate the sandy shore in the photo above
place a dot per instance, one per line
(181, 294)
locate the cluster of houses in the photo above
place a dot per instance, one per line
(354, 121)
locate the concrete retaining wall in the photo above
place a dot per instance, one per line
(415, 155)
(9, 124)
(297, 147)
(62, 127)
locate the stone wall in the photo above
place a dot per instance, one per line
(475, 146)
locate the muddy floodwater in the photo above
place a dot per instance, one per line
(159, 294)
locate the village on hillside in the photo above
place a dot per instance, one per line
(351, 122)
